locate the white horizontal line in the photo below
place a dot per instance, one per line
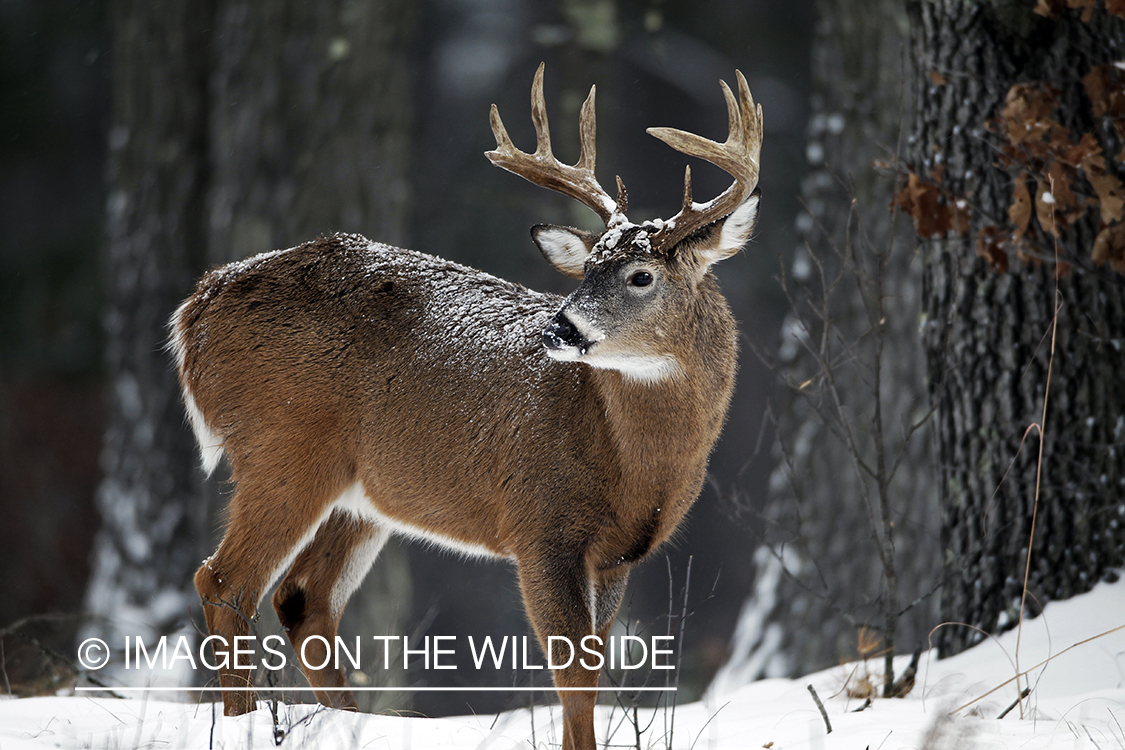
(373, 689)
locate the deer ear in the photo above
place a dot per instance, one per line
(565, 248)
(728, 235)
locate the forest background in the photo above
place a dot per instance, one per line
(142, 145)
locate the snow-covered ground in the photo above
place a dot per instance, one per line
(1077, 700)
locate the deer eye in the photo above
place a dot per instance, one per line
(641, 278)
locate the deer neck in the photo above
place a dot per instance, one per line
(663, 431)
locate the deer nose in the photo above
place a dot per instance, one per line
(560, 333)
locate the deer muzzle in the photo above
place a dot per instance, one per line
(561, 334)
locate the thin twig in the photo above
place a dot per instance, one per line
(680, 650)
(823, 713)
(1026, 692)
(1038, 471)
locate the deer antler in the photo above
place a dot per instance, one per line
(543, 169)
(738, 156)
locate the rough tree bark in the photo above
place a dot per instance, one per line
(237, 128)
(987, 331)
(819, 572)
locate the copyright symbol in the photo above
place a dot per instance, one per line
(93, 654)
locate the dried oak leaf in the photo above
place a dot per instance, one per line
(1109, 247)
(990, 246)
(1097, 85)
(1111, 195)
(1045, 209)
(1049, 8)
(1019, 213)
(1087, 7)
(922, 201)
(1055, 203)
(1110, 191)
(1105, 86)
(1026, 118)
(1077, 153)
(1115, 8)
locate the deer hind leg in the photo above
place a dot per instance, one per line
(609, 590)
(564, 598)
(311, 599)
(267, 530)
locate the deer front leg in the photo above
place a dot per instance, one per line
(563, 598)
(311, 599)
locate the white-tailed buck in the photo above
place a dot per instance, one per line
(359, 390)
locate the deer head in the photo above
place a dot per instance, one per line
(634, 276)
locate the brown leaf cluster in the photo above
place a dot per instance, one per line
(992, 246)
(1105, 87)
(1059, 175)
(1044, 149)
(1069, 173)
(1027, 118)
(1110, 192)
(1052, 8)
(934, 212)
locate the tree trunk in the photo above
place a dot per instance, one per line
(821, 574)
(237, 128)
(310, 125)
(988, 333)
(153, 523)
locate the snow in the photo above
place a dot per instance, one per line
(1074, 655)
(632, 238)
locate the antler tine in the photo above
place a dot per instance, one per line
(587, 133)
(543, 169)
(738, 156)
(686, 205)
(539, 116)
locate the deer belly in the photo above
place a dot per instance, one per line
(357, 502)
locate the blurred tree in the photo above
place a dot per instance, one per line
(154, 520)
(851, 519)
(236, 128)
